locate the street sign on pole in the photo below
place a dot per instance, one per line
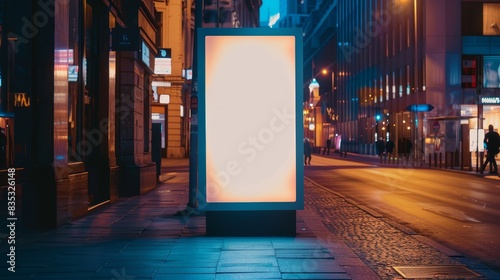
(192, 205)
(436, 126)
(420, 108)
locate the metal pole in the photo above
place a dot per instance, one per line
(416, 124)
(193, 143)
(479, 115)
(479, 161)
(218, 15)
(477, 132)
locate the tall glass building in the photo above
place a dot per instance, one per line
(412, 71)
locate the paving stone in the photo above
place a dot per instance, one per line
(139, 238)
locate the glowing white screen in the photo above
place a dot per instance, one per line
(250, 115)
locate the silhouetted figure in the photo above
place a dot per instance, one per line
(492, 141)
(404, 148)
(389, 148)
(307, 152)
(327, 147)
(380, 148)
(408, 147)
(380, 145)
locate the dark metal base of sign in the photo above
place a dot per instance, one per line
(251, 223)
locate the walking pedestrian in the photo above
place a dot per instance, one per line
(380, 147)
(492, 141)
(389, 148)
(327, 147)
(307, 152)
(408, 147)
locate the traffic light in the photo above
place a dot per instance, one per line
(378, 117)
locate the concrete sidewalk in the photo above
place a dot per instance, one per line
(141, 238)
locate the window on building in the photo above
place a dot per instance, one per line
(74, 83)
(381, 89)
(147, 112)
(408, 33)
(401, 82)
(387, 44)
(393, 43)
(387, 87)
(485, 20)
(393, 85)
(491, 19)
(408, 79)
(159, 19)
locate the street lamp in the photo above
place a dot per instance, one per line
(416, 147)
(330, 109)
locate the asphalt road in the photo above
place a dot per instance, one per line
(460, 211)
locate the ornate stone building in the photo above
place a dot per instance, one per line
(171, 108)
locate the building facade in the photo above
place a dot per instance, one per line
(171, 103)
(75, 105)
(294, 13)
(320, 115)
(407, 71)
(173, 114)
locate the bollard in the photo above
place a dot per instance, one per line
(430, 160)
(435, 159)
(440, 160)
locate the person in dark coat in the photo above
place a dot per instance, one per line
(380, 145)
(307, 152)
(492, 142)
(327, 147)
(405, 148)
(389, 147)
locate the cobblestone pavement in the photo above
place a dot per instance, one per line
(380, 243)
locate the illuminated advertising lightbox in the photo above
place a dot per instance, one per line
(250, 119)
(491, 71)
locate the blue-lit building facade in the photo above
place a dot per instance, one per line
(375, 61)
(294, 13)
